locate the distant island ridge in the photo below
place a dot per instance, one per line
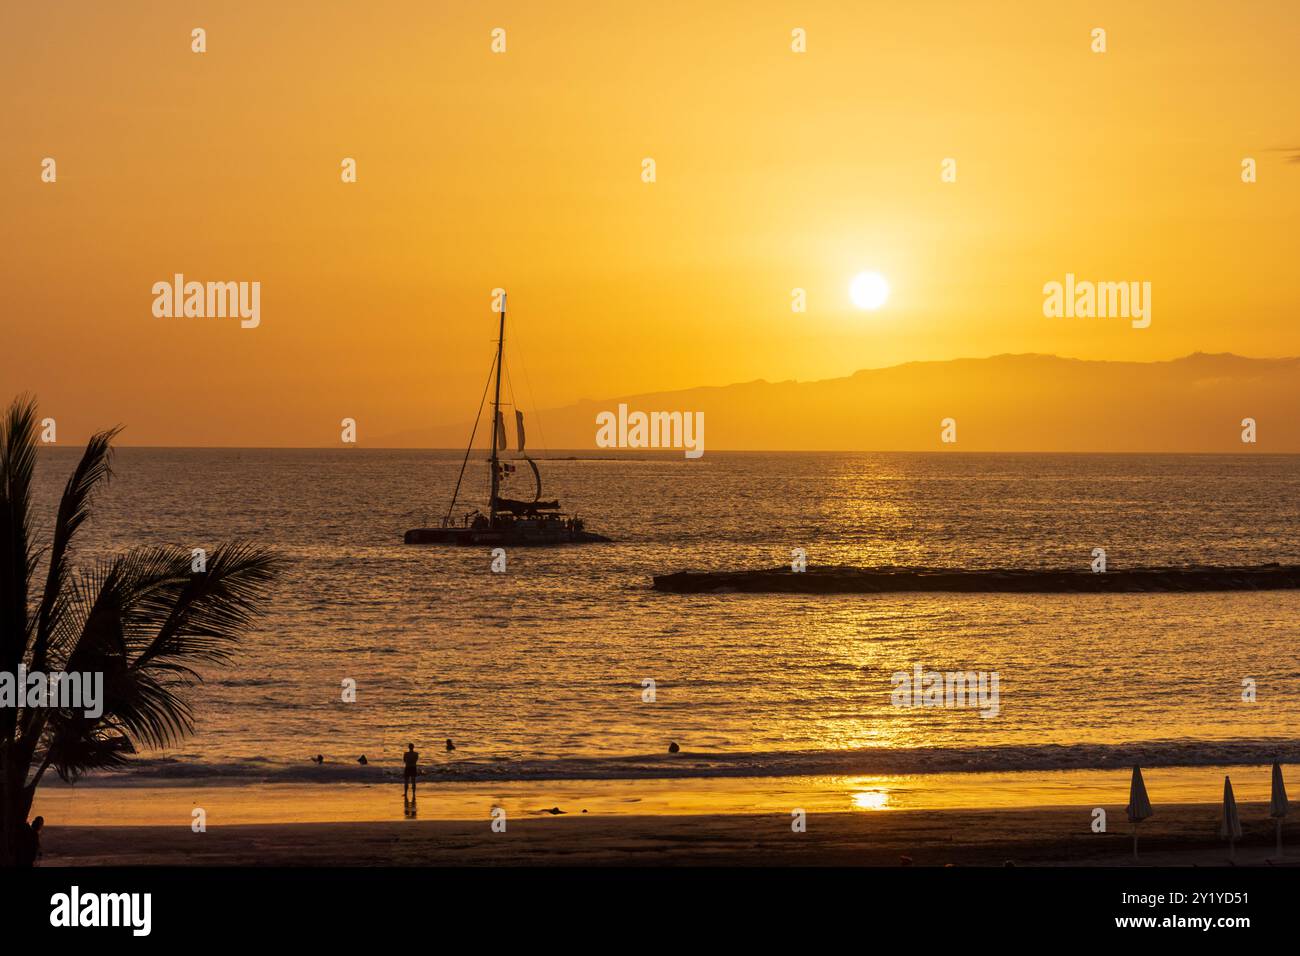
(1008, 403)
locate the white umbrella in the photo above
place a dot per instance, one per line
(1139, 806)
(1277, 805)
(1230, 828)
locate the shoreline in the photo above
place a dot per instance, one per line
(1183, 835)
(172, 802)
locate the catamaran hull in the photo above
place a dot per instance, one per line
(472, 536)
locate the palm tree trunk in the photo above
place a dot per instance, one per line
(15, 803)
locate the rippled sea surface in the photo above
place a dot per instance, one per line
(539, 672)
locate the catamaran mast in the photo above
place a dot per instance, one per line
(496, 416)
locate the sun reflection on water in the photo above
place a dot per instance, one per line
(871, 800)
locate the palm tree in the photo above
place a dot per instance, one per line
(143, 619)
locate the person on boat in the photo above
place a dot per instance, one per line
(411, 759)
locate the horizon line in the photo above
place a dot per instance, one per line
(673, 454)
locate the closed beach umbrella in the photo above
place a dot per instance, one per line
(1230, 828)
(1139, 805)
(1277, 804)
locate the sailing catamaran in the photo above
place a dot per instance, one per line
(508, 521)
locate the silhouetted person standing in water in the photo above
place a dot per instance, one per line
(411, 758)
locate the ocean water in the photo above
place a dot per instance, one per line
(538, 673)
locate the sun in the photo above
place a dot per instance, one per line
(869, 290)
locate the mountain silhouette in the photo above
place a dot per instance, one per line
(1007, 403)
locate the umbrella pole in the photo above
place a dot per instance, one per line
(1279, 838)
(1135, 841)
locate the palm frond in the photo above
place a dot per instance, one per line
(98, 750)
(95, 468)
(17, 464)
(146, 622)
(207, 613)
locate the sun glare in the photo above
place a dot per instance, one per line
(871, 800)
(869, 290)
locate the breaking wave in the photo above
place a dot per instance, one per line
(860, 762)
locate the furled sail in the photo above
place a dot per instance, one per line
(501, 431)
(519, 427)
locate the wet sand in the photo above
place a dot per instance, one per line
(133, 801)
(1180, 835)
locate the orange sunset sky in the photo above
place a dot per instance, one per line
(775, 170)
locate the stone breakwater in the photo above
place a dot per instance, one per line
(852, 580)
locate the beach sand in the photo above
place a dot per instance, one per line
(135, 801)
(1179, 835)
